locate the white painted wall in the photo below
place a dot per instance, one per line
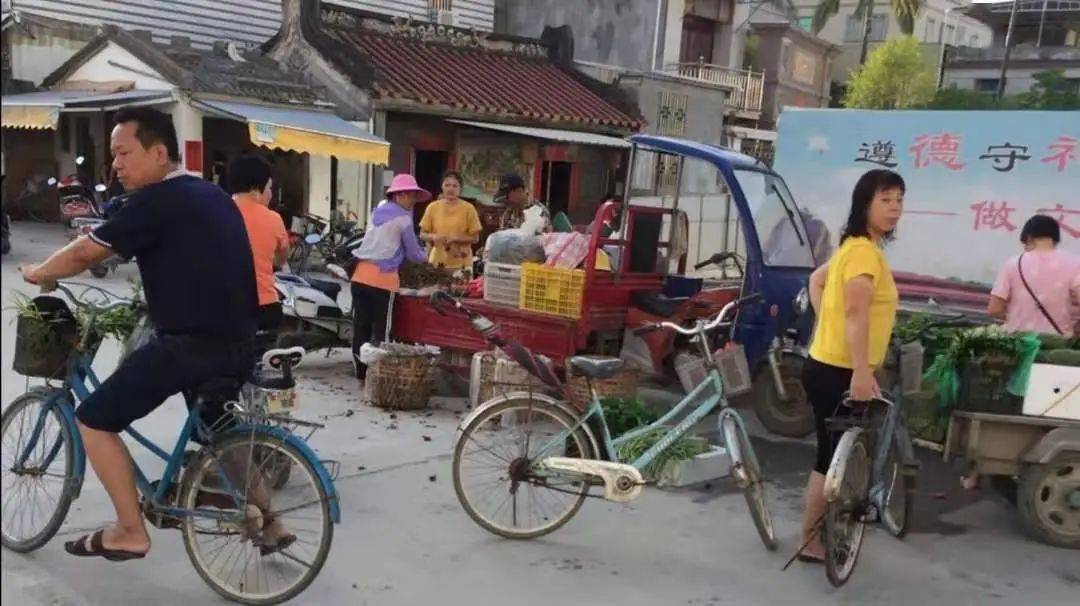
(672, 33)
(115, 63)
(34, 58)
(319, 185)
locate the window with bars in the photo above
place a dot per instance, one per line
(879, 28)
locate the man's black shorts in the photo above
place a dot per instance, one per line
(167, 365)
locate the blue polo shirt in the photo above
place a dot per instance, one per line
(193, 253)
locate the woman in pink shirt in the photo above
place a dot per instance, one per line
(1039, 291)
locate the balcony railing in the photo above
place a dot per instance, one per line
(747, 87)
(1020, 52)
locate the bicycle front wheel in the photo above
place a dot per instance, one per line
(899, 493)
(251, 542)
(38, 456)
(493, 469)
(747, 470)
(844, 516)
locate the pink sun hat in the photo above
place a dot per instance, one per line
(406, 182)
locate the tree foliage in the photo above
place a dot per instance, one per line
(897, 75)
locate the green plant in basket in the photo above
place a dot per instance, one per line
(992, 344)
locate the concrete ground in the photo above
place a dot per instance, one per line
(404, 540)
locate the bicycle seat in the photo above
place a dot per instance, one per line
(596, 368)
(656, 303)
(326, 287)
(272, 380)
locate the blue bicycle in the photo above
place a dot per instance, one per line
(255, 506)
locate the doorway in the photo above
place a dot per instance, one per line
(555, 186)
(428, 168)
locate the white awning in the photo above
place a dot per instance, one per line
(553, 134)
(302, 130)
(41, 109)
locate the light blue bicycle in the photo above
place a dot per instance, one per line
(251, 474)
(524, 462)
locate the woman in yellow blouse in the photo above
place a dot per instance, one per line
(855, 298)
(451, 226)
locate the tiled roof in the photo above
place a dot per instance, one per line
(220, 71)
(475, 80)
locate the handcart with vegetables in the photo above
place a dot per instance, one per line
(1008, 405)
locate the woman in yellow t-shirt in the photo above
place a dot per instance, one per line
(855, 299)
(451, 226)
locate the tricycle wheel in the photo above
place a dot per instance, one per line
(1049, 501)
(791, 416)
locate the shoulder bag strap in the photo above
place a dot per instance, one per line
(1038, 303)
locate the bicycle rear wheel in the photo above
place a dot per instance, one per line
(38, 492)
(746, 467)
(899, 494)
(268, 545)
(493, 476)
(844, 516)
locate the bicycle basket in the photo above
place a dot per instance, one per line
(45, 337)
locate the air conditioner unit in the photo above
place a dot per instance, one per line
(445, 17)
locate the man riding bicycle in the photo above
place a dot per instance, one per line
(190, 244)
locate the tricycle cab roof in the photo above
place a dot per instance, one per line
(722, 157)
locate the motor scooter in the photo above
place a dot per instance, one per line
(77, 200)
(312, 316)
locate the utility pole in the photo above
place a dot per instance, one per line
(1008, 50)
(868, 14)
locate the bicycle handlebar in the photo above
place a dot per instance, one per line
(701, 327)
(117, 303)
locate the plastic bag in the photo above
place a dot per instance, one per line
(514, 247)
(565, 251)
(1026, 353)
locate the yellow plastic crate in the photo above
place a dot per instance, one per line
(551, 291)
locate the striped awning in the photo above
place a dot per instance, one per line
(41, 109)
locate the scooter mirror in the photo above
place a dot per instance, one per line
(52, 181)
(313, 239)
(79, 161)
(100, 188)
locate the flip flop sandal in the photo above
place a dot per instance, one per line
(810, 559)
(97, 549)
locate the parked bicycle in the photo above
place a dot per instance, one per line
(222, 496)
(872, 476)
(525, 462)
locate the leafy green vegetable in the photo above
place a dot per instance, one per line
(625, 414)
(683, 449)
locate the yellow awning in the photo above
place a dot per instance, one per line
(304, 130)
(31, 116)
(320, 144)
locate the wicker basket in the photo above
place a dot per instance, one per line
(44, 345)
(622, 385)
(494, 374)
(400, 381)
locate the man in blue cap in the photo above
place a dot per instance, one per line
(520, 211)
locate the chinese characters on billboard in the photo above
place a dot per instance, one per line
(973, 178)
